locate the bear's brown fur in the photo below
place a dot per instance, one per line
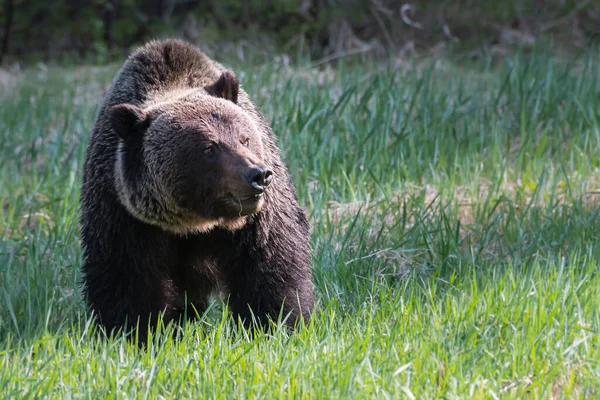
(184, 194)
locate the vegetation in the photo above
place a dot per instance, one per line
(101, 30)
(455, 234)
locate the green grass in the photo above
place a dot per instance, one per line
(456, 235)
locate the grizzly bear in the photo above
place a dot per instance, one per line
(185, 195)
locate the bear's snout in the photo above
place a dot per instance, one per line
(259, 178)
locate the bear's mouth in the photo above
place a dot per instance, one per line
(252, 197)
(246, 205)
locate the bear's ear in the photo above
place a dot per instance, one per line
(226, 87)
(127, 120)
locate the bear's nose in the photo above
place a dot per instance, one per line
(260, 178)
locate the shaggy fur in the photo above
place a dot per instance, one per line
(163, 226)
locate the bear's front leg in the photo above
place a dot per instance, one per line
(126, 278)
(127, 300)
(270, 276)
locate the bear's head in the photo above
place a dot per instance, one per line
(190, 160)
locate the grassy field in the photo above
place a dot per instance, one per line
(456, 233)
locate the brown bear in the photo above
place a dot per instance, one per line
(184, 195)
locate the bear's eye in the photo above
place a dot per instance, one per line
(208, 150)
(245, 141)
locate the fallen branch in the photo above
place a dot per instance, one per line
(336, 56)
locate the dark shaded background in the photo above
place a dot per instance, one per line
(102, 30)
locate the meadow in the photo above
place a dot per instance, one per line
(455, 230)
